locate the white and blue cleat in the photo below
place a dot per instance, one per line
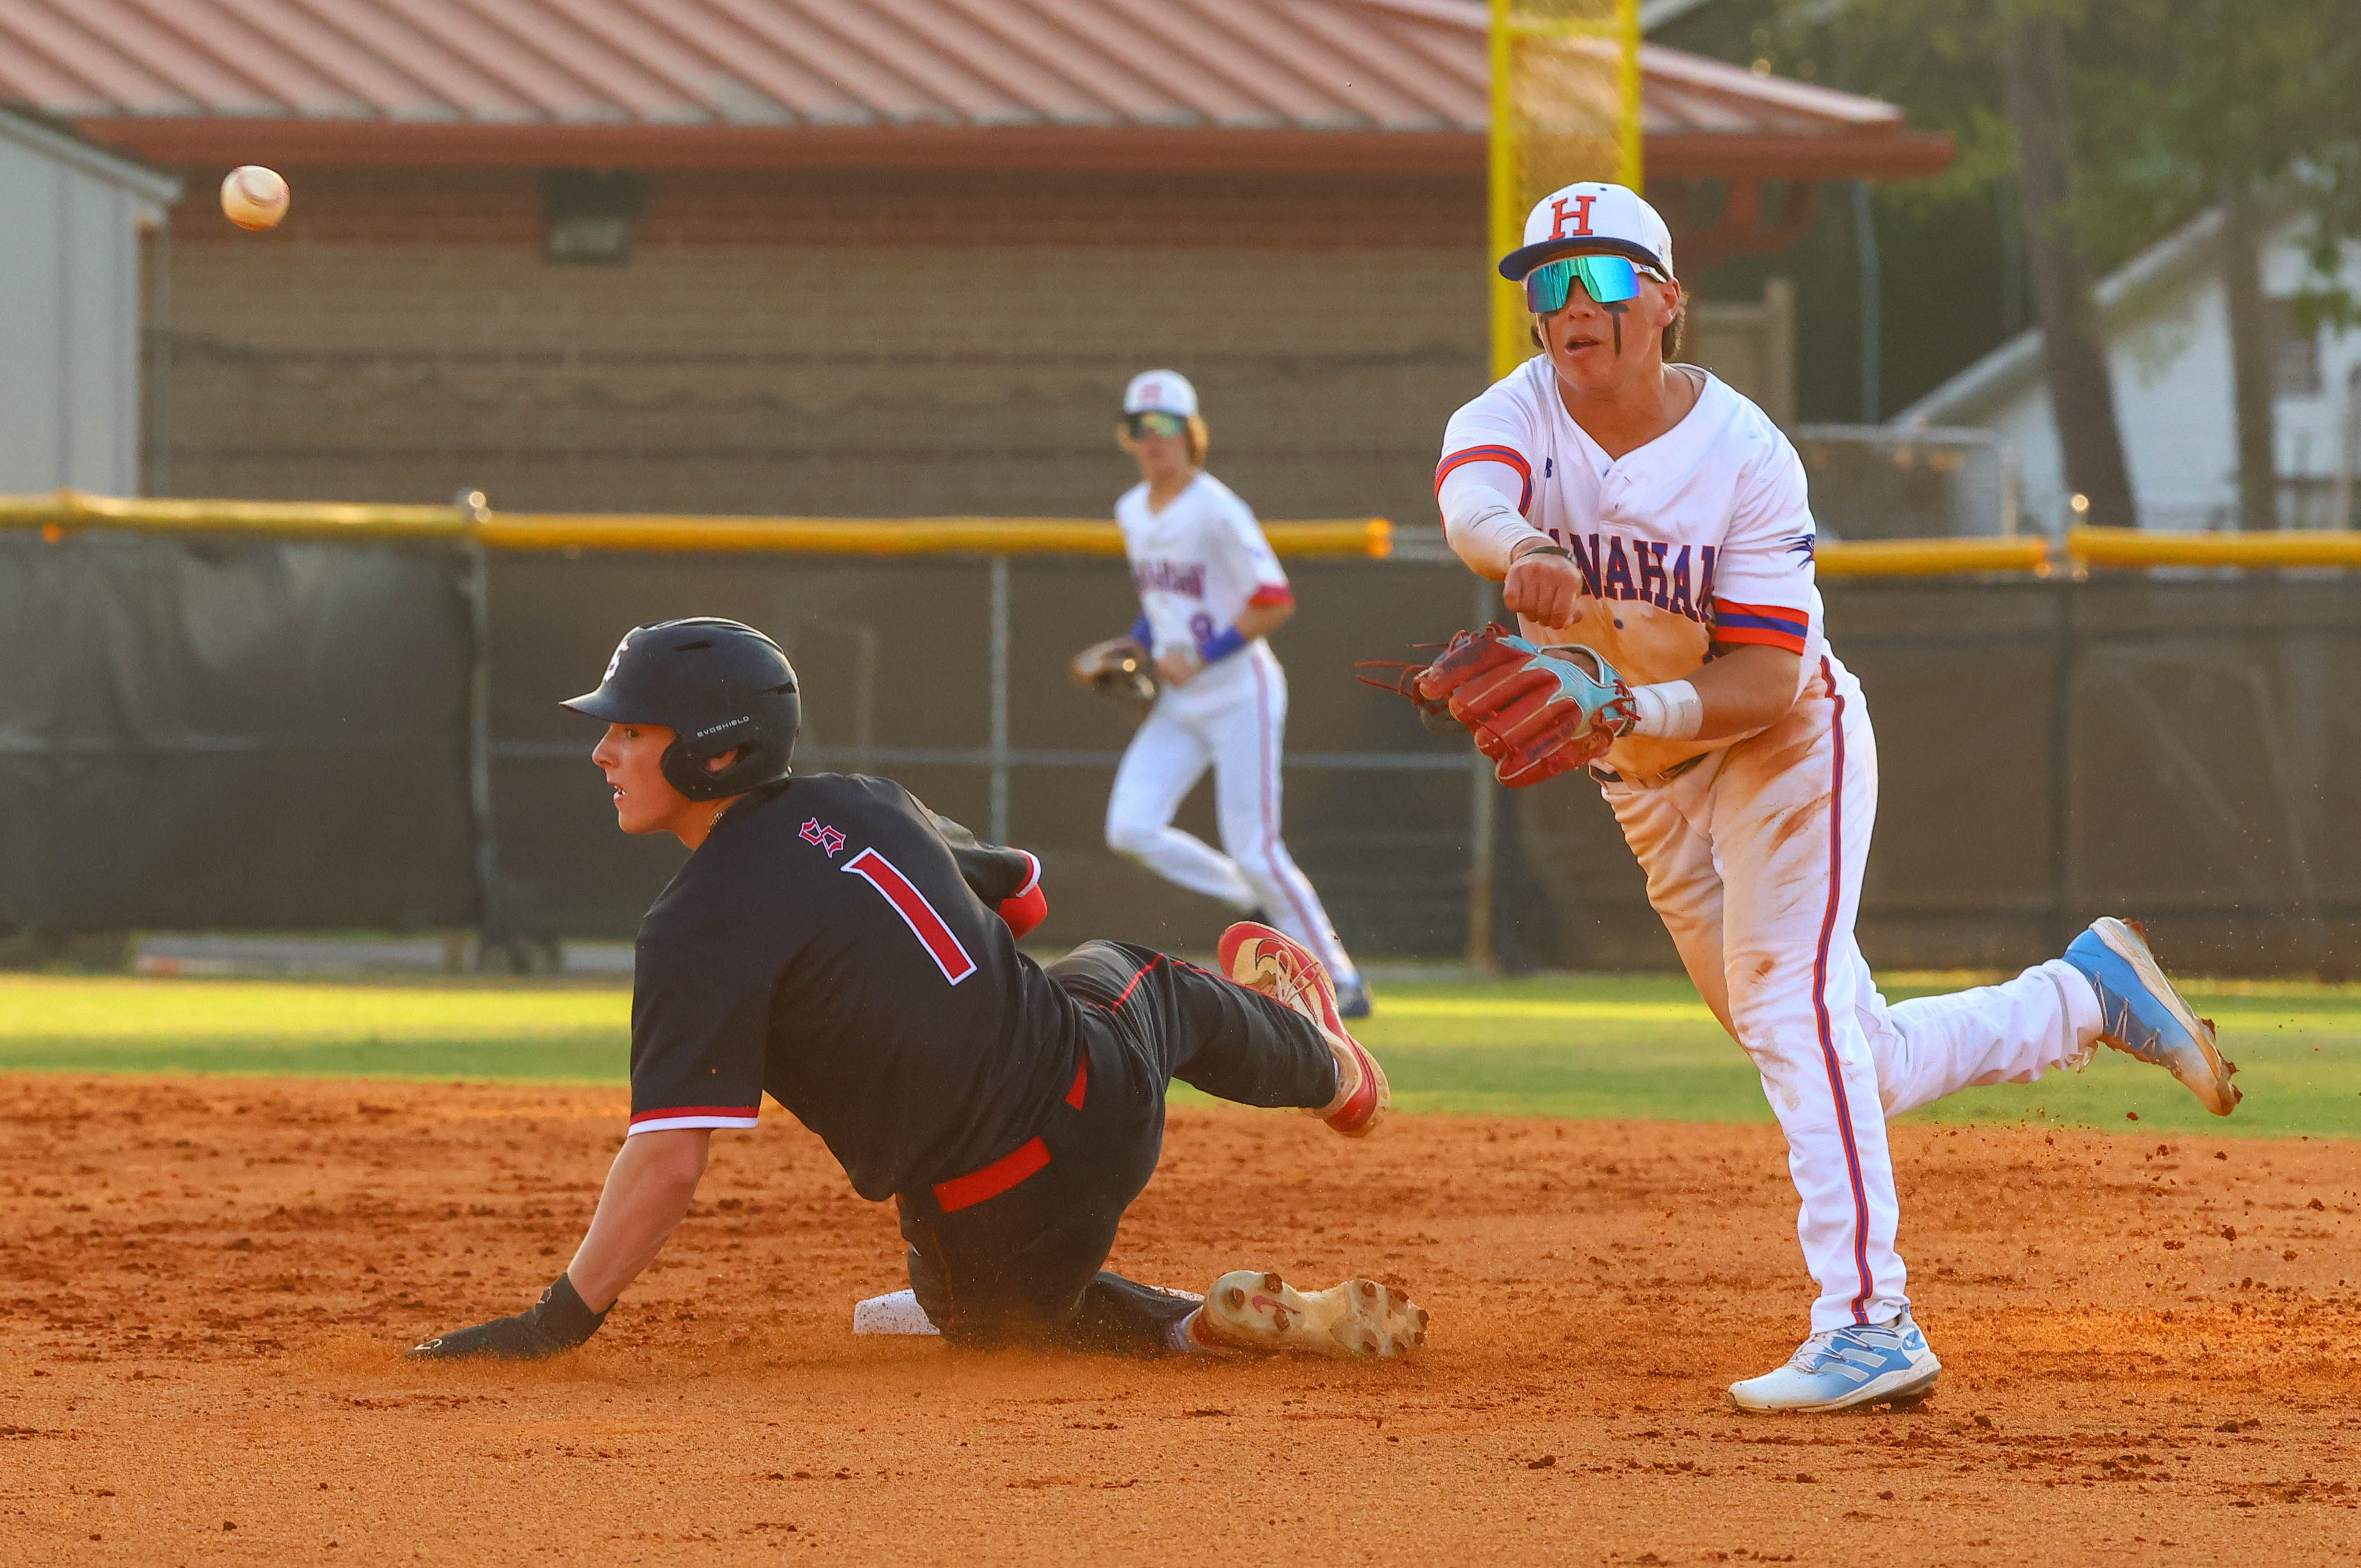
(1860, 1363)
(2141, 1014)
(1353, 1000)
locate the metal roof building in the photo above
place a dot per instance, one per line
(1285, 196)
(1359, 86)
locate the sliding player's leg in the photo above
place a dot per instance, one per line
(1273, 1041)
(1015, 1255)
(1187, 1022)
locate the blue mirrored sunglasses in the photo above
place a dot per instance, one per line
(1609, 279)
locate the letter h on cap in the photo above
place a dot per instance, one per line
(1580, 214)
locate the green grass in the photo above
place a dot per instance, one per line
(512, 1030)
(1646, 1047)
(1590, 1045)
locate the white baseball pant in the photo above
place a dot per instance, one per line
(1754, 860)
(1232, 719)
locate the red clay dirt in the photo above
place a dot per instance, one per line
(204, 1284)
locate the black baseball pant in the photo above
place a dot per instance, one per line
(1023, 1266)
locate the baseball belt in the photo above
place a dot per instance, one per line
(1646, 781)
(1024, 1160)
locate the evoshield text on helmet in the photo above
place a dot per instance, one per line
(718, 685)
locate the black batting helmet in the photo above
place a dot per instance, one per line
(717, 686)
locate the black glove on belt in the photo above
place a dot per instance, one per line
(558, 1322)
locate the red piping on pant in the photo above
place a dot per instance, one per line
(1272, 850)
(1820, 1005)
(1137, 975)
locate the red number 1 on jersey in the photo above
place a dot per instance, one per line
(915, 912)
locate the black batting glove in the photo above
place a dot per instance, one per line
(558, 1322)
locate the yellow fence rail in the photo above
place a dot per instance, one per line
(2106, 549)
(1370, 537)
(63, 511)
(1931, 557)
(2278, 550)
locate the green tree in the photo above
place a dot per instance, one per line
(2256, 107)
(2035, 91)
(2118, 121)
(1998, 75)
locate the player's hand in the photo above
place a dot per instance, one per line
(558, 1322)
(502, 1339)
(1543, 586)
(1177, 665)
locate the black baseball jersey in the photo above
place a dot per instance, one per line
(836, 944)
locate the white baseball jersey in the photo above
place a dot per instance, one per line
(1198, 562)
(1199, 565)
(1756, 856)
(1702, 535)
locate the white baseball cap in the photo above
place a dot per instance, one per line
(1161, 392)
(1592, 216)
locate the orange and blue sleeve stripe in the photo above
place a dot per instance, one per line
(1508, 454)
(1773, 625)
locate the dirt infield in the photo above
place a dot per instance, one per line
(203, 1284)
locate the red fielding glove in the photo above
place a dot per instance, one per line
(1536, 713)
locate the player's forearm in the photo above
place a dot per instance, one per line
(1261, 621)
(1179, 664)
(649, 1189)
(1746, 686)
(1482, 525)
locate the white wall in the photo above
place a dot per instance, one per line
(2169, 353)
(68, 313)
(2307, 427)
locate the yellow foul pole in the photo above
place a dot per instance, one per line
(1509, 346)
(1518, 174)
(1630, 128)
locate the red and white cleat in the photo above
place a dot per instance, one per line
(1246, 1310)
(1262, 959)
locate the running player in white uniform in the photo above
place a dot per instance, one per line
(1210, 591)
(1652, 514)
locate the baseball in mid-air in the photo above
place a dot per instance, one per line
(254, 197)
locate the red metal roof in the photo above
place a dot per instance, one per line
(1367, 84)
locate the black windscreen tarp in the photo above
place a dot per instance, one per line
(246, 733)
(223, 734)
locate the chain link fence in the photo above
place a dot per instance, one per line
(224, 732)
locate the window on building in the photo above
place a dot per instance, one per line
(2295, 353)
(591, 217)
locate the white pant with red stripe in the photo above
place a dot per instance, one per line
(1232, 719)
(1754, 860)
